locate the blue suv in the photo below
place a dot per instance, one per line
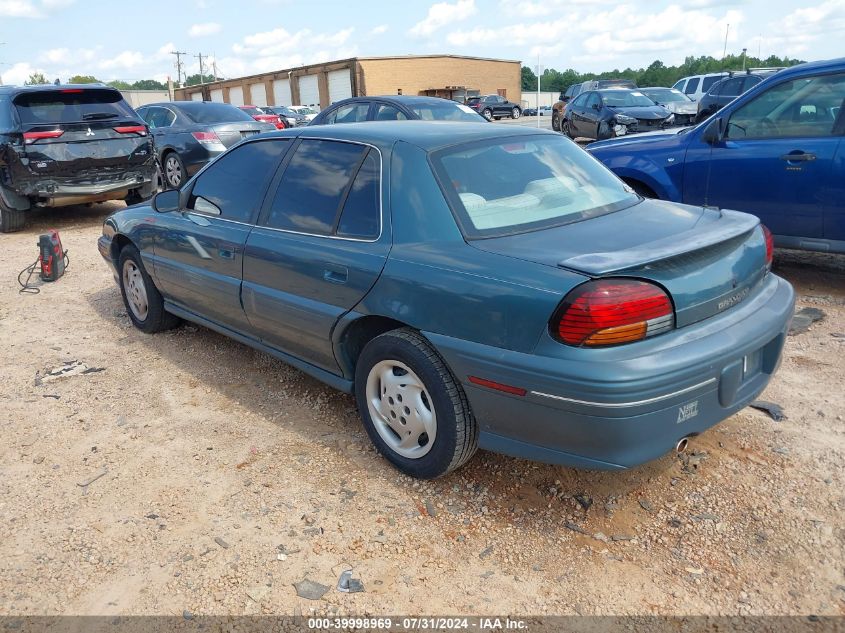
(778, 151)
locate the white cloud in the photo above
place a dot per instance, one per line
(18, 73)
(378, 30)
(443, 14)
(57, 4)
(279, 41)
(125, 60)
(795, 33)
(19, 9)
(205, 29)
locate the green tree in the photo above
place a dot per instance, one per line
(36, 79)
(148, 84)
(83, 79)
(195, 80)
(529, 79)
(120, 85)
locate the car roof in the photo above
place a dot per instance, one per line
(428, 135)
(16, 90)
(400, 99)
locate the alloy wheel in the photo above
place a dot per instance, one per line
(173, 171)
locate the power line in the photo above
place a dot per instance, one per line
(178, 65)
(199, 57)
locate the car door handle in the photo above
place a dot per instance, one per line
(197, 219)
(336, 274)
(798, 156)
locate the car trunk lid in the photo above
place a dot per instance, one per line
(708, 260)
(234, 132)
(80, 131)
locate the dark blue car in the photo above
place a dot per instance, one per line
(472, 285)
(778, 151)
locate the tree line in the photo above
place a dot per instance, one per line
(657, 73)
(36, 79)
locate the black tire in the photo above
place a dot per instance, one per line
(516, 112)
(11, 220)
(456, 438)
(169, 176)
(487, 113)
(555, 121)
(566, 128)
(157, 318)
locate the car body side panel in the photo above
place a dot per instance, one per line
(660, 168)
(834, 210)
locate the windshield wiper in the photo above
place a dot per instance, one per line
(98, 115)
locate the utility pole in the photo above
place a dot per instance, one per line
(202, 78)
(743, 58)
(539, 74)
(178, 65)
(214, 65)
(725, 50)
(1, 76)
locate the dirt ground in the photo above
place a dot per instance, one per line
(187, 472)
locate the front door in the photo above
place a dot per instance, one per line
(777, 158)
(199, 252)
(320, 244)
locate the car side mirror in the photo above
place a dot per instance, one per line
(166, 201)
(714, 132)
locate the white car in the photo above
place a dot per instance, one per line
(679, 104)
(308, 113)
(697, 85)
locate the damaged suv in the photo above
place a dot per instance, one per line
(65, 145)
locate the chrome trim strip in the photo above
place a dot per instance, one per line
(617, 405)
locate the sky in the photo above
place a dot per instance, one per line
(132, 41)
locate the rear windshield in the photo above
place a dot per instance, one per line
(446, 111)
(71, 106)
(207, 112)
(549, 181)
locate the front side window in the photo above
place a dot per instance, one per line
(679, 85)
(233, 186)
(314, 186)
(580, 101)
(806, 107)
(550, 182)
(594, 100)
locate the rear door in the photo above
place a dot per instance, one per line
(777, 160)
(82, 133)
(199, 252)
(318, 248)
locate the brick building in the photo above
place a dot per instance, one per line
(450, 76)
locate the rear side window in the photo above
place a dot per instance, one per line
(360, 215)
(730, 87)
(314, 186)
(692, 85)
(235, 183)
(389, 113)
(72, 105)
(352, 113)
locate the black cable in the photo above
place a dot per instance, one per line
(26, 287)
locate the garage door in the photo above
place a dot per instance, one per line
(309, 92)
(340, 85)
(196, 96)
(281, 92)
(258, 94)
(236, 96)
(217, 95)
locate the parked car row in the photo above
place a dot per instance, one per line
(777, 151)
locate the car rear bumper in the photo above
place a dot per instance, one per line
(63, 191)
(619, 407)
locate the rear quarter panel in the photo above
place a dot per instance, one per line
(435, 282)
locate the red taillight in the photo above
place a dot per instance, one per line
(70, 91)
(206, 137)
(611, 312)
(31, 137)
(280, 125)
(131, 129)
(770, 245)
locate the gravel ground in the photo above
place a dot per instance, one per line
(186, 472)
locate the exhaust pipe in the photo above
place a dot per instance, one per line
(682, 445)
